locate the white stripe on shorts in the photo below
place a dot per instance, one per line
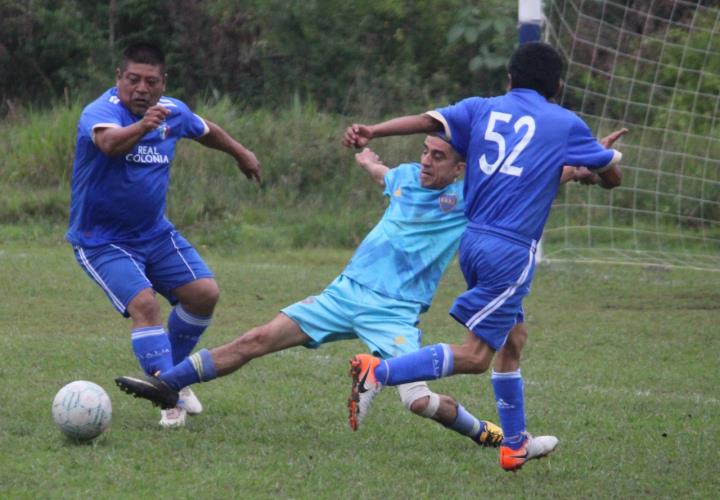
(181, 256)
(131, 260)
(500, 299)
(86, 263)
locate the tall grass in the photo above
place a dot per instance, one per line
(313, 193)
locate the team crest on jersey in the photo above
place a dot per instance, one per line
(164, 130)
(448, 202)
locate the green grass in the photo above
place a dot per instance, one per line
(621, 365)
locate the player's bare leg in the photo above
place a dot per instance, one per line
(448, 412)
(186, 323)
(280, 333)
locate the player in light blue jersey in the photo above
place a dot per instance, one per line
(378, 298)
(516, 146)
(118, 229)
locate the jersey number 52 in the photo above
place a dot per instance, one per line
(506, 162)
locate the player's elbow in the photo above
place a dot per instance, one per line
(108, 147)
(611, 179)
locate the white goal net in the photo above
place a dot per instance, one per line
(652, 66)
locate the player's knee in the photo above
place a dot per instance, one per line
(419, 405)
(210, 292)
(419, 399)
(206, 294)
(426, 406)
(144, 308)
(516, 340)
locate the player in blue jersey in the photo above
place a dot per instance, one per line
(378, 298)
(118, 229)
(516, 146)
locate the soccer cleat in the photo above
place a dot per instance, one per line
(174, 417)
(490, 436)
(150, 388)
(189, 401)
(364, 388)
(533, 447)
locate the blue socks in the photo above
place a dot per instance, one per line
(184, 331)
(466, 424)
(199, 367)
(510, 401)
(152, 348)
(429, 363)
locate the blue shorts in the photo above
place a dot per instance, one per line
(163, 263)
(498, 272)
(349, 310)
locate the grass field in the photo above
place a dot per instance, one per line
(622, 365)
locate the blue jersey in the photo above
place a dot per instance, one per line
(516, 146)
(406, 253)
(123, 198)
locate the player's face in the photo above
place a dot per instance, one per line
(140, 86)
(441, 166)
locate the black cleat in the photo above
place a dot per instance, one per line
(150, 388)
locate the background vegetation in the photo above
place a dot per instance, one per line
(287, 76)
(373, 57)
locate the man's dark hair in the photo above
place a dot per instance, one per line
(537, 66)
(143, 53)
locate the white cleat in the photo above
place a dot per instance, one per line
(533, 447)
(174, 417)
(189, 401)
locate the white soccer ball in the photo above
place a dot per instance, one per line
(82, 410)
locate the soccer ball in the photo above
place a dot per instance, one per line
(82, 410)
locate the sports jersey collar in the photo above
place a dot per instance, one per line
(528, 92)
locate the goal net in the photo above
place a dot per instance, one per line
(652, 66)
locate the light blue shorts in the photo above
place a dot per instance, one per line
(163, 263)
(349, 310)
(498, 272)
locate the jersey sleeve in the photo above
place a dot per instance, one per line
(391, 180)
(193, 126)
(457, 122)
(585, 151)
(97, 115)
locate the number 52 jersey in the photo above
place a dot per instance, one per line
(516, 146)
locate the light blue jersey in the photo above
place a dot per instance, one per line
(406, 253)
(123, 198)
(516, 146)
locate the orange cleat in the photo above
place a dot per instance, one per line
(364, 388)
(533, 447)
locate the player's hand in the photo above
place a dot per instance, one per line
(367, 156)
(609, 140)
(584, 175)
(153, 117)
(250, 166)
(357, 136)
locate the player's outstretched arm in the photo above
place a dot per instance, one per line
(219, 139)
(370, 162)
(358, 136)
(116, 141)
(608, 179)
